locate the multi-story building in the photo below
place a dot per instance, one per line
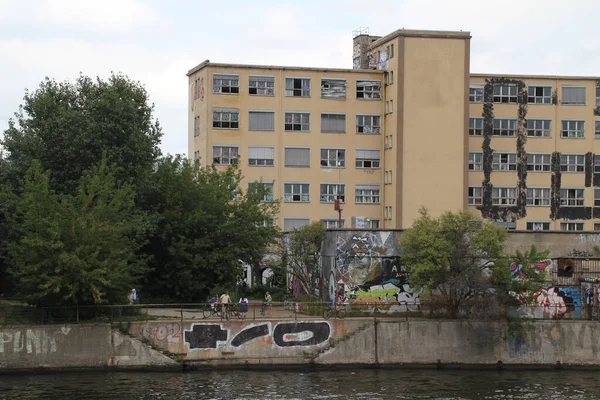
(408, 127)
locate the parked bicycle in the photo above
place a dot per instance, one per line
(335, 311)
(264, 308)
(231, 311)
(211, 311)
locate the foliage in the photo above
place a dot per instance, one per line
(529, 278)
(67, 127)
(449, 256)
(205, 224)
(76, 249)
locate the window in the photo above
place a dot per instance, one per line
(368, 124)
(296, 121)
(572, 162)
(372, 223)
(573, 129)
(596, 163)
(333, 123)
(297, 87)
(596, 197)
(475, 126)
(389, 106)
(196, 155)
(331, 191)
(368, 158)
(538, 196)
(504, 127)
(294, 223)
(261, 156)
(196, 126)
(597, 227)
(389, 142)
(539, 94)
(368, 90)
(296, 192)
(505, 94)
(261, 121)
(539, 162)
(261, 85)
(226, 83)
(475, 195)
(476, 93)
(571, 197)
(388, 213)
(504, 196)
(297, 157)
(538, 226)
(266, 187)
(366, 194)
(539, 127)
(333, 88)
(475, 161)
(504, 162)
(571, 226)
(389, 78)
(598, 95)
(597, 129)
(225, 155)
(224, 118)
(573, 95)
(332, 223)
(388, 177)
(391, 51)
(333, 158)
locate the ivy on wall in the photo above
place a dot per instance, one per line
(589, 168)
(597, 108)
(555, 185)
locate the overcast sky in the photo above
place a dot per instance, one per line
(158, 41)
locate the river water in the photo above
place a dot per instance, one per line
(300, 384)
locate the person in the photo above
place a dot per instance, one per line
(244, 304)
(268, 300)
(213, 303)
(225, 299)
(133, 297)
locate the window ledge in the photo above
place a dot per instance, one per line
(295, 131)
(368, 168)
(329, 98)
(363, 99)
(301, 97)
(366, 204)
(262, 166)
(539, 137)
(368, 134)
(532, 205)
(263, 95)
(290, 201)
(226, 94)
(573, 138)
(297, 166)
(262, 130)
(339, 133)
(574, 104)
(226, 129)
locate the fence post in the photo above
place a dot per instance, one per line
(146, 312)
(77, 314)
(254, 312)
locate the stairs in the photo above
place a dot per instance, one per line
(333, 342)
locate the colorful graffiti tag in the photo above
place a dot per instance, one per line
(551, 302)
(517, 269)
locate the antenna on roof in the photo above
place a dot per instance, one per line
(361, 30)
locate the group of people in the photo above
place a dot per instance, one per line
(225, 300)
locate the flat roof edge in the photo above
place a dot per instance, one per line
(530, 76)
(422, 34)
(207, 63)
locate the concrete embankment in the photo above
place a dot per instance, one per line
(360, 341)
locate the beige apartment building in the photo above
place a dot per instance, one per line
(408, 126)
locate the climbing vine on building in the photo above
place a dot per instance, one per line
(589, 168)
(555, 185)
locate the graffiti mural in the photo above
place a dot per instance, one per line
(551, 302)
(205, 336)
(517, 269)
(169, 333)
(301, 334)
(31, 341)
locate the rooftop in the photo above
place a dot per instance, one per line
(526, 76)
(422, 34)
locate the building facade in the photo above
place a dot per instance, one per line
(408, 127)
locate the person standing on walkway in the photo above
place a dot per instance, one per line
(244, 305)
(225, 300)
(268, 300)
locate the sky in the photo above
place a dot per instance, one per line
(157, 41)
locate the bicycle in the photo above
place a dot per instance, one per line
(210, 311)
(264, 308)
(232, 311)
(335, 311)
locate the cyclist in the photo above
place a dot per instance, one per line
(213, 303)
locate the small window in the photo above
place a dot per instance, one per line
(389, 106)
(225, 155)
(475, 126)
(571, 226)
(196, 155)
(572, 162)
(504, 162)
(368, 90)
(597, 163)
(538, 196)
(261, 156)
(226, 83)
(389, 78)
(368, 158)
(297, 87)
(372, 223)
(504, 196)
(597, 227)
(368, 124)
(571, 197)
(295, 121)
(261, 85)
(388, 177)
(296, 192)
(297, 157)
(475, 161)
(331, 191)
(573, 95)
(333, 123)
(539, 127)
(597, 129)
(504, 127)
(596, 197)
(505, 94)
(598, 95)
(539, 94)
(475, 195)
(267, 189)
(388, 213)
(196, 126)
(333, 158)
(226, 118)
(261, 121)
(573, 129)
(538, 226)
(333, 88)
(332, 223)
(539, 162)
(476, 93)
(391, 51)
(294, 223)
(367, 194)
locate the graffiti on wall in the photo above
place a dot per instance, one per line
(551, 302)
(167, 333)
(517, 269)
(31, 341)
(285, 334)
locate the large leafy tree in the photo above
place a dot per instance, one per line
(451, 256)
(68, 125)
(205, 224)
(76, 249)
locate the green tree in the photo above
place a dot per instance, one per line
(450, 256)
(205, 224)
(67, 127)
(76, 249)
